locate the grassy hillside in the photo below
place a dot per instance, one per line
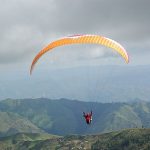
(129, 139)
(11, 123)
(23, 141)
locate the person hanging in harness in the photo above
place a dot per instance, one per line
(88, 117)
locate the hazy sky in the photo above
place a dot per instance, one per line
(28, 25)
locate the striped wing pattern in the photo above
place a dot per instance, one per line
(82, 39)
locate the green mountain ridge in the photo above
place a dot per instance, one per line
(23, 140)
(64, 117)
(128, 139)
(12, 123)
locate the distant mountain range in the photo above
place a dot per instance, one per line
(95, 83)
(64, 117)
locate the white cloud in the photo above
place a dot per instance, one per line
(26, 26)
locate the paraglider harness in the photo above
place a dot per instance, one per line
(88, 117)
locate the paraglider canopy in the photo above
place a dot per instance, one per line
(82, 39)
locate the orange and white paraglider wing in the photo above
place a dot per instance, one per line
(82, 39)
